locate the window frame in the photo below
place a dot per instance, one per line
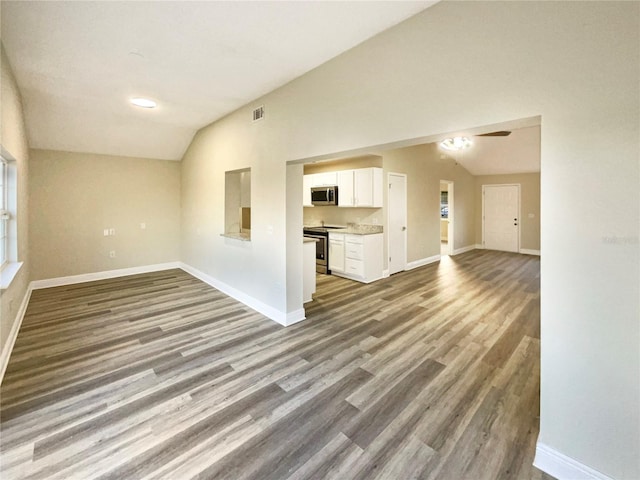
(5, 215)
(9, 201)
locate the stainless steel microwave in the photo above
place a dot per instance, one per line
(324, 195)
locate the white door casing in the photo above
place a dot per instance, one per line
(397, 222)
(450, 220)
(501, 217)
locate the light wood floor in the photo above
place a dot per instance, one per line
(430, 374)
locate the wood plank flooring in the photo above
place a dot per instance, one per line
(430, 374)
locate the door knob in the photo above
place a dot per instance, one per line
(404, 228)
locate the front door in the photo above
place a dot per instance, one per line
(501, 217)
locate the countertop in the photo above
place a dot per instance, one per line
(359, 229)
(245, 237)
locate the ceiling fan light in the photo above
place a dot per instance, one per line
(455, 143)
(143, 102)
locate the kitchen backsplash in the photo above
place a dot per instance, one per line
(342, 216)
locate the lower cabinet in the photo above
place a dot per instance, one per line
(336, 253)
(358, 257)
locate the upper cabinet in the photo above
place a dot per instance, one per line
(345, 189)
(306, 190)
(326, 179)
(360, 188)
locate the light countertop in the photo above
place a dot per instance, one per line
(359, 229)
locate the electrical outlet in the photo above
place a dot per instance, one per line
(112, 231)
(143, 226)
(106, 232)
(112, 254)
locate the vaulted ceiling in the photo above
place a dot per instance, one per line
(78, 63)
(518, 152)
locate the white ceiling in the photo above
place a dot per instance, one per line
(517, 153)
(78, 63)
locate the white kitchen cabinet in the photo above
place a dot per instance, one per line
(346, 197)
(307, 181)
(326, 179)
(360, 188)
(361, 258)
(368, 187)
(336, 252)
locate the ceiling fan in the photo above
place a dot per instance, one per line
(460, 143)
(499, 133)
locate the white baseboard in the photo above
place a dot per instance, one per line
(468, 248)
(13, 334)
(527, 251)
(562, 467)
(295, 317)
(90, 277)
(267, 310)
(479, 246)
(385, 273)
(423, 261)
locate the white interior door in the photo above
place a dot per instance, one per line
(397, 223)
(501, 217)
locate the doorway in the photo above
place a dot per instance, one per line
(501, 217)
(397, 222)
(446, 218)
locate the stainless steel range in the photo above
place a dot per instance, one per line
(321, 234)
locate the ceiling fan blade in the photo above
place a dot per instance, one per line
(500, 133)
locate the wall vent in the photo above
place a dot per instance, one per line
(258, 113)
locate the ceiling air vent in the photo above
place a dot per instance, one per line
(258, 113)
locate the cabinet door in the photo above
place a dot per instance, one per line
(307, 181)
(327, 179)
(336, 255)
(368, 187)
(345, 188)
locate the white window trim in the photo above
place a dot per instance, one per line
(11, 267)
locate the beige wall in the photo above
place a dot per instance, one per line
(14, 140)
(75, 196)
(425, 168)
(529, 204)
(365, 161)
(392, 88)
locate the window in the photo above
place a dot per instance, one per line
(4, 213)
(9, 264)
(444, 204)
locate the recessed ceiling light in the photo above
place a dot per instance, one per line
(143, 102)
